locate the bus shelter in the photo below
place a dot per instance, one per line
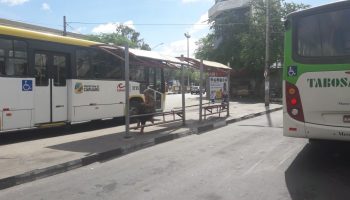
(217, 85)
(151, 80)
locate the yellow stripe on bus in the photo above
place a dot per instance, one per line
(23, 33)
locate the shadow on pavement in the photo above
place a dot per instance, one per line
(36, 134)
(112, 141)
(320, 171)
(268, 117)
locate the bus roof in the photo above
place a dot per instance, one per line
(29, 34)
(317, 9)
(151, 55)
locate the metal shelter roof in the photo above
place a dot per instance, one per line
(156, 56)
(143, 57)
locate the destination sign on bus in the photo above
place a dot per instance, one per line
(328, 82)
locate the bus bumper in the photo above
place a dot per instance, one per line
(314, 131)
(292, 127)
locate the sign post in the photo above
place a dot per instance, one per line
(228, 94)
(127, 94)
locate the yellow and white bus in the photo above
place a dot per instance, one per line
(48, 80)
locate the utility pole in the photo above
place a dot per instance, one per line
(267, 55)
(64, 26)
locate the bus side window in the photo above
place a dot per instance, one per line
(19, 58)
(2, 62)
(83, 67)
(59, 71)
(106, 66)
(13, 58)
(5, 45)
(40, 68)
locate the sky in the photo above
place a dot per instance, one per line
(162, 23)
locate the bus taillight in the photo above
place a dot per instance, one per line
(293, 101)
(294, 106)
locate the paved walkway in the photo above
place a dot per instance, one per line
(30, 160)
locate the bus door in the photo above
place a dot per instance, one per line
(50, 71)
(156, 81)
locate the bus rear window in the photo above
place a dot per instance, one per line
(324, 35)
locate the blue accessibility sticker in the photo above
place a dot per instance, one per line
(292, 71)
(27, 85)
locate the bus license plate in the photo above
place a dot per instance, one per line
(346, 118)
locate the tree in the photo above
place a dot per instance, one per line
(123, 35)
(238, 36)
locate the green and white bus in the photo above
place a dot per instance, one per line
(316, 76)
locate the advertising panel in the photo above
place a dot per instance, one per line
(218, 89)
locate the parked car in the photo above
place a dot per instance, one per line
(195, 90)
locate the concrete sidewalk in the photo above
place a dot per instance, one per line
(31, 160)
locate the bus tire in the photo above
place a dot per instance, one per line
(317, 142)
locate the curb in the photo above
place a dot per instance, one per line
(208, 127)
(74, 164)
(253, 115)
(114, 153)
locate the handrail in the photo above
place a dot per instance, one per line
(155, 94)
(148, 87)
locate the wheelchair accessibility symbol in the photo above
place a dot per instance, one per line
(27, 85)
(292, 71)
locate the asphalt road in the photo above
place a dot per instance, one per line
(246, 160)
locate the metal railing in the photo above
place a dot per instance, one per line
(173, 113)
(215, 109)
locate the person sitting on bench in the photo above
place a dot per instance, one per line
(147, 107)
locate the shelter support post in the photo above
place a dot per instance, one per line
(200, 90)
(127, 94)
(228, 94)
(183, 92)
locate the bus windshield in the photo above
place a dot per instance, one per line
(324, 35)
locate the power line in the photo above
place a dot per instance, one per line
(72, 28)
(166, 24)
(141, 24)
(35, 23)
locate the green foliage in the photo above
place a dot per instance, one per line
(123, 35)
(241, 35)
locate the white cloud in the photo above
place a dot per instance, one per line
(13, 2)
(46, 7)
(200, 25)
(111, 27)
(78, 30)
(178, 48)
(130, 24)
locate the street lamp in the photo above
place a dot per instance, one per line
(188, 36)
(157, 45)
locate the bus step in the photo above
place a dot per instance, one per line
(50, 125)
